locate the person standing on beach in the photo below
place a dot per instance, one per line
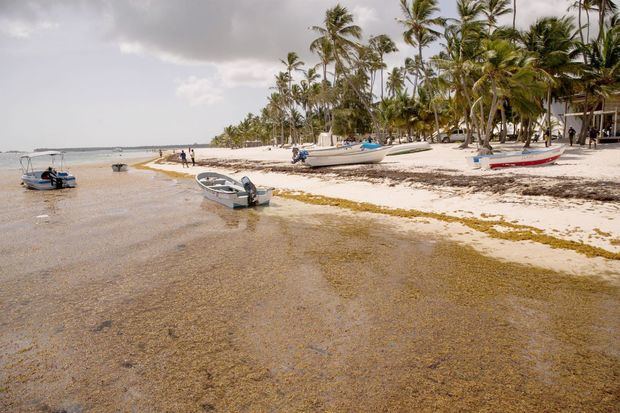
(191, 155)
(161, 153)
(593, 134)
(184, 159)
(571, 135)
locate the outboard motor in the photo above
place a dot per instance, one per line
(58, 183)
(301, 156)
(250, 188)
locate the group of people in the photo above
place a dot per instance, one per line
(183, 157)
(593, 134)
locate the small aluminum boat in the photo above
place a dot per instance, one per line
(49, 178)
(232, 193)
(120, 167)
(526, 157)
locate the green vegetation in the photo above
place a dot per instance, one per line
(485, 77)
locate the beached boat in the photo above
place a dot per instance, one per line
(526, 157)
(49, 178)
(348, 158)
(408, 148)
(120, 167)
(232, 193)
(337, 150)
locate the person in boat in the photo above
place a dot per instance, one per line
(50, 174)
(593, 135)
(571, 135)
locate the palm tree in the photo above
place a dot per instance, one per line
(324, 51)
(421, 27)
(382, 44)
(552, 45)
(395, 81)
(601, 77)
(340, 32)
(504, 72)
(293, 64)
(420, 24)
(587, 6)
(493, 9)
(605, 7)
(343, 35)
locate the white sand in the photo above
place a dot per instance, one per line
(602, 163)
(573, 219)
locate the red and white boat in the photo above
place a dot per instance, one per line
(526, 157)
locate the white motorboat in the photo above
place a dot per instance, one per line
(348, 158)
(120, 167)
(409, 148)
(232, 193)
(49, 178)
(337, 150)
(117, 150)
(526, 157)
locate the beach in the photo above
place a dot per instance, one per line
(577, 199)
(133, 292)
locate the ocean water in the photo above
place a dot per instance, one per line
(10, 161)
(134, 293)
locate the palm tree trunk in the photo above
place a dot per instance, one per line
(584, 124)
(381, 77)
(503, 133)
(580, 24)
(514, 15)
(492, 111)
(467, 141)
(588, 20)
(528, 133)
(548, 143)
(565, 110)
(601, 19)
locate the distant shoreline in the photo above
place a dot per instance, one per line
(104, 148)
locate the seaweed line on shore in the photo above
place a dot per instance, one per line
(510, 231)
(563, 188)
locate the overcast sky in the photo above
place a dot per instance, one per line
(148, 72)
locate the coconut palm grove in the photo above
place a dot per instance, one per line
(485, 77)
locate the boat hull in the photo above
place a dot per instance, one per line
(360, 157)
(35, 182)
(525, 158)
(120, 167)
(335, 151)
(230, 192)
(404, 148)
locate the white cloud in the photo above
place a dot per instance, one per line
(364, 15)
(246, 72)
(21, 29)
(199, 91)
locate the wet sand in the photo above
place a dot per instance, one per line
(132, 293)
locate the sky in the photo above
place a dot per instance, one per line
(78, 73)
